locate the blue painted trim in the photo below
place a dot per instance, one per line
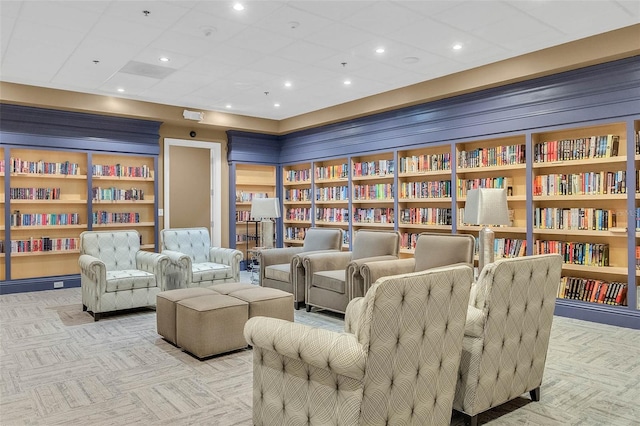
(38, 284)
(621, 316)
(255, 148)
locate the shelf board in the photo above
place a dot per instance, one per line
(324, 222)
(41, 227)
(369, 201)
(424, 226)
(336, 202)
(297, 222)
(297, 183)
(583, 162)
(293, 242)
(297, 203)
(610, 270)
(371, 178)
(339, 180)
(491, 168)
(44, 253)
(578, 232)
(372, 225)
(47, 176)
(48, 202)
(103, 202)
(124, 178)
(496, 229)
(408, 251)
(425, 200)
(426, 173)
(509, 198)
(148, 246)
(585, 197)
(123, 225)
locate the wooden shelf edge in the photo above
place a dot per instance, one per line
(582, 162)
(43, 253)
(579, 233)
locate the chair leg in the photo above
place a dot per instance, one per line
(84, 308)
(296, 305)
(470, 420)
(535, 394)
(96, 316)
(308, 307)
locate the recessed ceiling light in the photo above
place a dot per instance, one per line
(287, 84)
(410, 60)
(238, 7)
(276, 105)
(228, 106)
(457, 46)
(347, 82)
(164, 59)
(380, 50)
(120, 89)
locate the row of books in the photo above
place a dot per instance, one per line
(589, 183)
(243, 215)
(41, 167)
(44, 219)
(495, 156)
(374, 168)
(245, 197)
(378, 191)
(332, 193)
(33, 245)
(294, 233)
(103, 217)
(431, 189)
(426, 216)
(592, 290)
(638, 257)
(575, 253)
(576, 149)
(425, 163)
(297, 175)
(117, 194)
(332, 215)
(374, 215)
(118, 170)
(508, 247)
(296, 194)
(637, 218)
(34, 193)
(464, 185)
(577, 218)
(300, 213)
(338, 171)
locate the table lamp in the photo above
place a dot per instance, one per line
(486, 206)
(264, 210)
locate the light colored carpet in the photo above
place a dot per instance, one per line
(59, 367)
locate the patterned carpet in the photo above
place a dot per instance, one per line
(59, 367)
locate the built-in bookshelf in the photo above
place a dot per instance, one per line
(579, 209)
(372, 191)
(297, 199)
(331, 193)
(3, 246)
(424, 193)
(252, 181)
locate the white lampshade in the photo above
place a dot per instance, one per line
(265, 208)
(486, 206)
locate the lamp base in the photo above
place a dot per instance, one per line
(266, 233)
(486, 240)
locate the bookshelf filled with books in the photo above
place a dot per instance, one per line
(636, 135)
(373, 192)
(579, 209)
(3, 259)
(252, 181)
(495, 163)
(331, 193)
(297, 203)
(424, 193)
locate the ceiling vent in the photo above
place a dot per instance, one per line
(147, 70)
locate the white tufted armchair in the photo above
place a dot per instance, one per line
(115, 274)
(399, 367)
(507, 333)
(194, 263)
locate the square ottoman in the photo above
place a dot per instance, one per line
(266, 302)
(166, 309)
(211, 324)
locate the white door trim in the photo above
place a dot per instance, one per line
(215, 155)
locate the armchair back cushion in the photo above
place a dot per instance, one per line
(194, 242)
(117, 250)
(505, 353)
(435, 250)
(368, 243)
(316, 239)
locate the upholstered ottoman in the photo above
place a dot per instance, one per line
(266, 302)
(166, 309)
(211, 324)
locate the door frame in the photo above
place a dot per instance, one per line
(215, 156)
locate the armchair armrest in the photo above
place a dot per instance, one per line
(227, 256)
(154, 263)
(329, 261)
(352, 315)
(179, 272)
(277, 256)
(94, 269)
(355, 281)
(474, 325)
(372, 271)
(339, 353)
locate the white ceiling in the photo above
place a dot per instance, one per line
(221, 57)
